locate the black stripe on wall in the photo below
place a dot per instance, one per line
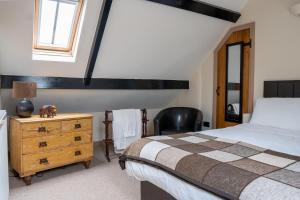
(96, 83)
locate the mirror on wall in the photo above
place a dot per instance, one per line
(234, 82)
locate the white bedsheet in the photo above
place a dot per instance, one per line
(276, 139)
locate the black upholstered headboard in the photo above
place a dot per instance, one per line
(282, 89)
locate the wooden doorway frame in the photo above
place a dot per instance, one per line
(250, 26)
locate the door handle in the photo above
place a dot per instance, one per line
(218, 90)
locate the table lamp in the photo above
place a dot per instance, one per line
(24, 90)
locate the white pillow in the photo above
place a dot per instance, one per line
(277, 112)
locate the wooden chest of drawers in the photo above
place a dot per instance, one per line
(38, 144)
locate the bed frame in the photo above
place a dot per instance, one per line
(150, 192)
(282, 89)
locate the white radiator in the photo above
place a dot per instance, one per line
(4, 185)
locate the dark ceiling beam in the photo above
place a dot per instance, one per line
(202, 8)
(106, 5)
(6, 82)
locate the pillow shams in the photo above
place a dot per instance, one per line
(277, 112)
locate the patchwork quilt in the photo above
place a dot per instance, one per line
(227, 168)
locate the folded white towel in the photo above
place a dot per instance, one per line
(236, 108)
(127, 127)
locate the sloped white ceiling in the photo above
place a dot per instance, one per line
(142, 40)
(149, 40)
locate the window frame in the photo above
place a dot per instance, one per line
(74, 33)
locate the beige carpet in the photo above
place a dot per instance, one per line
(102, 181)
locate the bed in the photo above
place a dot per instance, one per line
(275, 148)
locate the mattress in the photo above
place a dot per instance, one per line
(281, 140)
(174, 186)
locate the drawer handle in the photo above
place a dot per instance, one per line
(77, 126)
(44, 161)
(77, 153)
(77, 138)
(43, 144)
(42, 129)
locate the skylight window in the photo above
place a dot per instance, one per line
(56, 25)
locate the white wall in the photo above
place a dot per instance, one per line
(94, 100)
(69, 104)
(276, 53)
(88, 101)
(277, 41)
(200, 93)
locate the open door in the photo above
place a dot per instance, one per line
(233, 95)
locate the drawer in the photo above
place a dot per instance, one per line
(77, 125)
(40, 161)
(78, 137)
(40, 129)
(38, 144)
(79, 152)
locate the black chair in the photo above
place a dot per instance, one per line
(178, 120)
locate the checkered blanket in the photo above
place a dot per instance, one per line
(227, 168)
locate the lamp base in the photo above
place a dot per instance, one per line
(24, 108)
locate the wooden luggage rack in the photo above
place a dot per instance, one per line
(108, 124)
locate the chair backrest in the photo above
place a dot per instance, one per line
(179, 118)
